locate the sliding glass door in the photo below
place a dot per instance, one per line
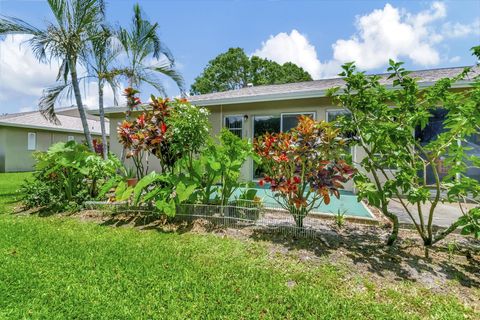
(274, 124)
(262, 125)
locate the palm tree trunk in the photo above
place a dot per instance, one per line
(102, 119)
(81, 109)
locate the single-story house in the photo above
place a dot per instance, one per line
(23, 133)
(252, 111)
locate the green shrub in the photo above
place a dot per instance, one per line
(68, 174)
(216, 170)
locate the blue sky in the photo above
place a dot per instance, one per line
(318, 35)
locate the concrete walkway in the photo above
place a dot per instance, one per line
(445, 213)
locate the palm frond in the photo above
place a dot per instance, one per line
(63, 71)
(140, 42)
(154, 82)
(168, 70)
(115, 86)
(59, 10)
(11, 25)
(46, 103)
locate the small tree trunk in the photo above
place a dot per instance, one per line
(394, 219)
(298, 215)
(81, 109)
(427, 254)
(102, 119)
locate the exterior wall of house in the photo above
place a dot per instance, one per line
(2, 149)
(320, 107)
(16, 156)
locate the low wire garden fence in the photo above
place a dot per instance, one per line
(236, 214)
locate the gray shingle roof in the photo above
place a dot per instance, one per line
(35, 120)
(299, 90)
(309, 88)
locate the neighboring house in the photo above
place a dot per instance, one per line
(23, 133)
(252, 111)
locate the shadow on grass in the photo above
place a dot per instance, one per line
(364, 246)
(404, 260)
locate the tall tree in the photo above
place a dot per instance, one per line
(64, 40)
(234, 70)
(101, 58)
(140, 43)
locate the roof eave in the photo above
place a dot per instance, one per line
(20, 125)
(269, 97)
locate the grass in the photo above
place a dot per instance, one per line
(60, 267)
(63, 268)
(9, 184)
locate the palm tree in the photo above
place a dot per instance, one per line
(141, 42)
(64, 40)
(102, 55)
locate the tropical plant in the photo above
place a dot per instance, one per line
(304, 166)
(163, 191)
(216, 170)
(340, 219)
(140, 43)
(100, 60)
(384, 121)
(234, 69)
(169, 130)
(67, 175)
(65, 40)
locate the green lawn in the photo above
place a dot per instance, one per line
(58, 267)
(63, 268)
(9, 184)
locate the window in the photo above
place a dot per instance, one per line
(432, 130)
(334, 115)
(262, 125)
(70, 138)
(235, 125)
(32, 141)
(290, 120)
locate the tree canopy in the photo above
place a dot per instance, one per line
(234, 69)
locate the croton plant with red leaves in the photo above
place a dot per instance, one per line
(133, 102)
(304, 166)
(167, 129)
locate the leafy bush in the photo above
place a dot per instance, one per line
(304, 166)
(68, 174)
(217, 169)
(169, 130)
(384, 121)
(160, 191)
(210, 178)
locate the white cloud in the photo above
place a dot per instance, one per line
(26, 109)
(457, 30)
(383, 34)
(295, 48)
(23, 78)
(90, 95)
(392, 33)
(454, 59)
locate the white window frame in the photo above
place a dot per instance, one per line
(313, 113)
(70, 138)
(334, 110)
(234, 115)
(31, 145)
